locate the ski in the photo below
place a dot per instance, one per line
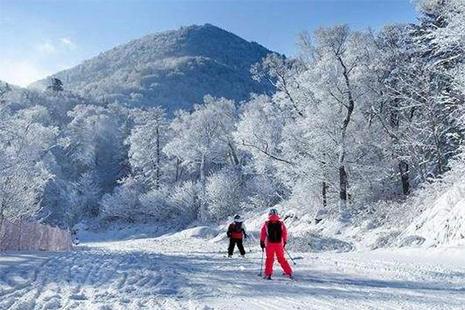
(285, 277)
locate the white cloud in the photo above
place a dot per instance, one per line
(46, 48)
(21, 72)
(37, 63)
(68, 43)
(61, 45)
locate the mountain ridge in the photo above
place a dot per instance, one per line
(173, 68)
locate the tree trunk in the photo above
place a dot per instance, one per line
(403, 165)
(177, 176)
(404, 177)
(233, 153)
(440, 168)
(202, 171)
(342, 189)
(2, 218)
(158, 170)
(342, 153)
(324, 189)
(203, 207)
(20, 233)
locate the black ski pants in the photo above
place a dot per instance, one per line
(232, 243)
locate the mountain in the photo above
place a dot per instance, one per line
(174, 69)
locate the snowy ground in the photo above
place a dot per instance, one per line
(182, 271)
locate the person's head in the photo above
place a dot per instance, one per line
(273, 212)
(273, 215)
(237, 218)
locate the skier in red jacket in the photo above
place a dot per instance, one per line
(236, 233)
(273, 238)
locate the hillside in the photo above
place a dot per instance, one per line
(174, 69)
(442, 220)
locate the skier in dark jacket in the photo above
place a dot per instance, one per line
(236, 234)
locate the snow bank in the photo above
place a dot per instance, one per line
(442, 222)
(200, 232)
(312, 242)
(26, 236)
(95, 231)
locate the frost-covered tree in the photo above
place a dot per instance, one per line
(184, 198)
(123, 203)
(25, 146)
(93, 141)
(319, 114)
(395, 50)
(202, 140)
(88, 193)
(341, 57)
(147, 139)
(416, 105)
(224, 193)
(283, 74)
(259, 131)
(441, 31)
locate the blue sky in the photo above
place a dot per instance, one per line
(38, 38)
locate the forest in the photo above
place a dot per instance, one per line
(359, 122)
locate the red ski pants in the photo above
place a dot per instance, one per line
(271, 250)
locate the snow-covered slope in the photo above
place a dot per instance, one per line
(174, 69)
(442, 221)
(186, 271)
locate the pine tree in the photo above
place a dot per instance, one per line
(56, 85)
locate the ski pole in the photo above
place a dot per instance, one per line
(290, 256)
(261, 265)
(248, 243)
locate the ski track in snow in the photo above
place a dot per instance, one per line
(172, 272)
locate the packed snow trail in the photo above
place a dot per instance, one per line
(182, 272)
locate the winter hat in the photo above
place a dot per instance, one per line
(273, 212)
(237, 218)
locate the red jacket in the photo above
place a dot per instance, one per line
(264, 230)
(233, 233)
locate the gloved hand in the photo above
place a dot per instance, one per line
(262, 244)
